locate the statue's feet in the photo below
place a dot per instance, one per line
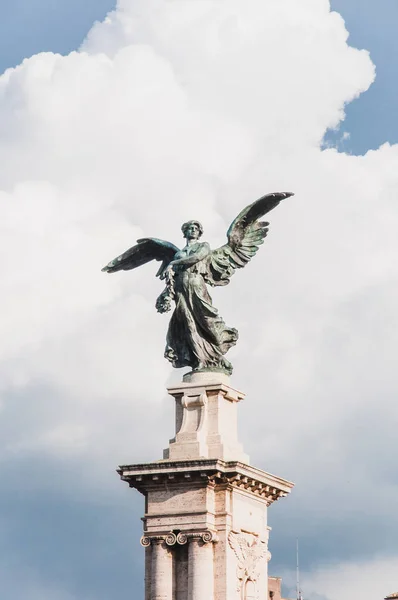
(226, 365)
(222, 366)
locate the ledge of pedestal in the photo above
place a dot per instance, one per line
(211, 384)
(256, 482)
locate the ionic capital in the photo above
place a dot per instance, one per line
(171, 539)
(206, 537)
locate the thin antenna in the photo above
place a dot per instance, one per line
(298, 589)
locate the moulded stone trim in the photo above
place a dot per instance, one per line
(230, 393)
(171, 539)
(206, 472)
(190, 400)
(207, 537)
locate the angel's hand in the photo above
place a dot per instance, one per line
(163, 303)
(169, 273)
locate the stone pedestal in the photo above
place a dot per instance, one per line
(205, 523)
(206, 419)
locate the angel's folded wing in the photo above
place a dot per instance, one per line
(144, 251)
(245, 236)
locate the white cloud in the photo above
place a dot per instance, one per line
(174, 110)
(370, 579)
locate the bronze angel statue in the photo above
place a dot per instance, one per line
(197, 336)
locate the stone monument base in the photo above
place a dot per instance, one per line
(205, 528)
(205, 523)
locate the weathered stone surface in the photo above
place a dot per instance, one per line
(206, 419)
(205, 523)
(275, 588)
(218, 511)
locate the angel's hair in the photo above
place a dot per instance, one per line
(188, 223)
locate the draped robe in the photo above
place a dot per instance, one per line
(197, 335)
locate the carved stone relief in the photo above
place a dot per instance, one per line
(250, 551)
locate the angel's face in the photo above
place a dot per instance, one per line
(192, 232)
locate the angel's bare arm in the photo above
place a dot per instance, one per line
(201, 253)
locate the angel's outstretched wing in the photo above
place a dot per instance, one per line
(144, 251)
(238, 544)
(245, 235)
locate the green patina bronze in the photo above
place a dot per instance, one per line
(197, 336)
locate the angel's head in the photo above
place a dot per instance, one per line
(192, 230)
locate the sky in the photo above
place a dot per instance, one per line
(119, 126)
(31, 26)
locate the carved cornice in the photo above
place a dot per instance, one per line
(182, 538)
(213, 473)
(196, 389)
